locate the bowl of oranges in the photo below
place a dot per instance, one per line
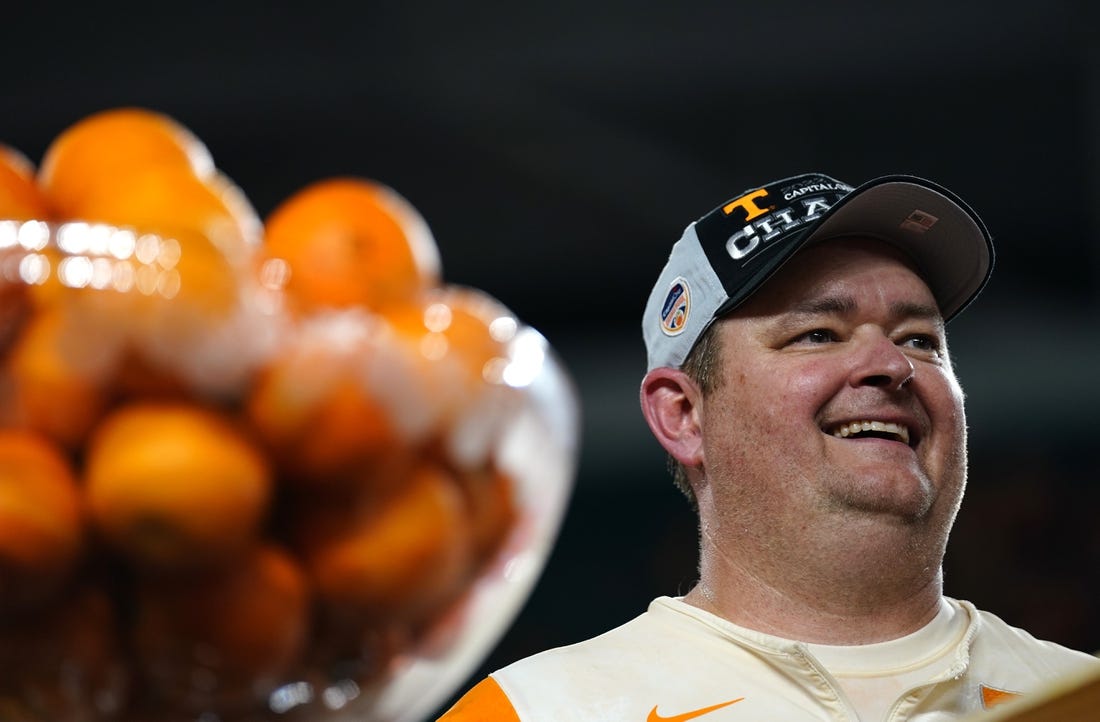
(253, 468)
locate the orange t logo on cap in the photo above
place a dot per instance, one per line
(748, 203)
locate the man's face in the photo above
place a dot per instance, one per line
(837, 407)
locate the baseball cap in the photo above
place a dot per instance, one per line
(725, 256)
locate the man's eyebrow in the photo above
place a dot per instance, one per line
(841, 305)
(929, 312)
(838, 305)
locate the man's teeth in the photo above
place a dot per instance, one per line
(857, 427)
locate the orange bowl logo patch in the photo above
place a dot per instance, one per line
(677, 305)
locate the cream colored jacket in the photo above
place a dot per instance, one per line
(676, 663)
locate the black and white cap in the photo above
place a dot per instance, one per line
(726, 255)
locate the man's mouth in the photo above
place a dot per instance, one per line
(875, 429)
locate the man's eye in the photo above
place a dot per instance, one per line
(922, 342)
(818, 335)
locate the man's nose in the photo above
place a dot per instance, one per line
(880, 362)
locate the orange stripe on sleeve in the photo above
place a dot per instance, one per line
(485, 702)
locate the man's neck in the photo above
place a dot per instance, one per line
(852, 594)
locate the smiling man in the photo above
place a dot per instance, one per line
(800, 381)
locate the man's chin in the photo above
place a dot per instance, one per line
(902, 498)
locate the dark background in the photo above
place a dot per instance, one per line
(557, 150)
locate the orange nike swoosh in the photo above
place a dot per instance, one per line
(991, 696)
(654, 717)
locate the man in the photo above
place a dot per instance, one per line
(800, 381)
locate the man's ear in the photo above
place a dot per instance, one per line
(671, 404)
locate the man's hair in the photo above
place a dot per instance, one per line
(703, 366)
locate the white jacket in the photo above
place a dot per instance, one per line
(676, 662)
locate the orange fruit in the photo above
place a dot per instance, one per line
(53, 378)
(16, 305)
(396, 560)
(41, 518)
(314, 408)
(20, 200)
(462, 331)
(35, 273)
(460, 343)
(222, 640)
(137, 378)
(15, 309)
(188, 314)
(491, 497)
(112, 144)
(106, 273)
(175, 304)
(350, 242)
(246, 219)
(20, 197)
(175, 485)
(170, 199)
